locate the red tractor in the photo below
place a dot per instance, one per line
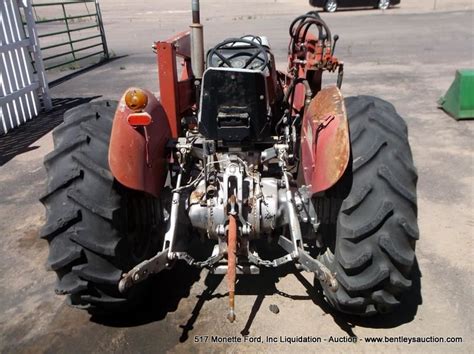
(238, 155)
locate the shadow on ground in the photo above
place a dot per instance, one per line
(18, 141)
(171, 286)
(163, 296)
(78, 72)
(405, 313)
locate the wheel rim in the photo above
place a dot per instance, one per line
(331, 6)
(384, 4)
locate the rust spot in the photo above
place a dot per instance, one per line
(196, 197)
(251, 202)
(325, 140)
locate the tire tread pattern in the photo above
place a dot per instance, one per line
(83, 210)
(376, 226)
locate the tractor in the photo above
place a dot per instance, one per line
(235, 155)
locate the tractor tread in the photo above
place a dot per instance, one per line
(411, 228)
(87, 202)
(369, 278)
(356, 135)
(403, 255)
(376, 227)
(387, 127)
(106, 247)
(346, 300)
(64, 149)
(353, 201)
(63, 252)
(69, 283)
(399, 281)
(359, 232)
(97, 273)
(57, 225)
(85, 227)
(60, 183)
(93, 167)
(64, 131)
(385, 302)
(407, 166)
(104, 300)
(92, 132)
(369, 155)
(396, 185)
(354, 257)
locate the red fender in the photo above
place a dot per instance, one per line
(325, 144)
(134, 162)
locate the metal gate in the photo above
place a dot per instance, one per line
(22, 89)
(69, 32)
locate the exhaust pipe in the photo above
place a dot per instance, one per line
(197, 42)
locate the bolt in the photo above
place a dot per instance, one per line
(332, 283)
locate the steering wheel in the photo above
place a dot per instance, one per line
(249, 50)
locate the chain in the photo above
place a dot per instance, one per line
(261, 262)
(269, 264)
(252, 258)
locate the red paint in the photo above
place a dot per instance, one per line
(135, 162)
(177, 96)
(325, 147)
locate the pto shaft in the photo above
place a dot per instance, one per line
(231, 261)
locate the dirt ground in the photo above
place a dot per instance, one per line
(407, 55)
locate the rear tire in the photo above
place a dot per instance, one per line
(376, 227)
(96, 228)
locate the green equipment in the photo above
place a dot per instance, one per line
(459, 99)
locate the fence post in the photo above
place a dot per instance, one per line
(33, 37)
(102, 30)
(68, 31)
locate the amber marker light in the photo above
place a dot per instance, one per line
(136, 99)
